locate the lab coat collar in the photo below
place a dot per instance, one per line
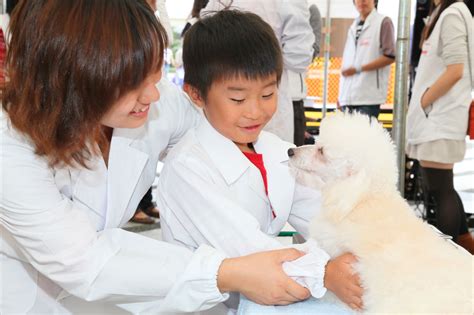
(367, 22)
(232, 164)
(281, 183)
(271, 148)
(226, 156)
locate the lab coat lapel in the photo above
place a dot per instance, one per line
(126, 163)
(281, 184)
(90, 186)
(227, 157)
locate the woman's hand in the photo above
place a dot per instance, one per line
(260, 277)
(424, 100)
(342, 281)
(349, 72)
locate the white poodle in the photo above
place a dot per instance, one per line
(405, 266)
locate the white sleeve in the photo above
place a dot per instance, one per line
(177, 111)
(297, 36)
(165, 20)
(60, 242)
(306, 203)
(195, 210)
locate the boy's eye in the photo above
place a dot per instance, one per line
(321, 150)
(268, 95)
(237, 100)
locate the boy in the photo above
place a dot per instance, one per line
(227, 182)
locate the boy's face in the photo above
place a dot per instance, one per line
(239, 108)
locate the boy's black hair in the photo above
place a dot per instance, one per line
(230, 44)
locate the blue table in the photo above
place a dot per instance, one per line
(311, 306)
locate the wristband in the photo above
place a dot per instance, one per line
(358, 69)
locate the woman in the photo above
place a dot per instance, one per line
(81, 135)
(438, 113)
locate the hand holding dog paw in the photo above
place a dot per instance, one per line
(260, 277)
(343, 282)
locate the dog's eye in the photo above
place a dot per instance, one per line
(321, 150)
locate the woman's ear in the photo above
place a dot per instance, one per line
(194, 94)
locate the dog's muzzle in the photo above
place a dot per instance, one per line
(291, 152)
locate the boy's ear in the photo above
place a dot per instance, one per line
(194, 94)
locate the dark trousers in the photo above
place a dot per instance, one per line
(147, 201)
(372, 111)
(438, 184)
(299, 122)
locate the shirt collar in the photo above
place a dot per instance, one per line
(225, 155)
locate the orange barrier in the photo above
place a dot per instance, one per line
(315, 81)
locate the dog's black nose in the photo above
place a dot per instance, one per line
(291, 152)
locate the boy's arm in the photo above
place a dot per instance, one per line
(196, 210)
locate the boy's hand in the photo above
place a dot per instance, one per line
(260, 277)
(342, 281)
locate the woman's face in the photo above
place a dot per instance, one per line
(131, 110)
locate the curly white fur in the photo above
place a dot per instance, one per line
(405, 266)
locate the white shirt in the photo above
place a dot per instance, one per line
(290, 21)
(210, 193)
(49, 218)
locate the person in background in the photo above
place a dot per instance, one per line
(147, 212)
(198, 5)
(290, 22)
(438, 112)
(297, 80)
(4, 36)
(368, 54)
(316, 24)
(81, 133)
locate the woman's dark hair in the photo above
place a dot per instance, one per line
(198, 5)
(68, 62)
(230, 44)
(430, 27)
(195, 13)
(470, 5)
(11, 5)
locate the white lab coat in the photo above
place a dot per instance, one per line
(290, 21)
(49, 218)
(162, 15)
(210, 193)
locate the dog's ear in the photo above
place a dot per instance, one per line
(341, 198)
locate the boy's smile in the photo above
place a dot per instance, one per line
(239, 108)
